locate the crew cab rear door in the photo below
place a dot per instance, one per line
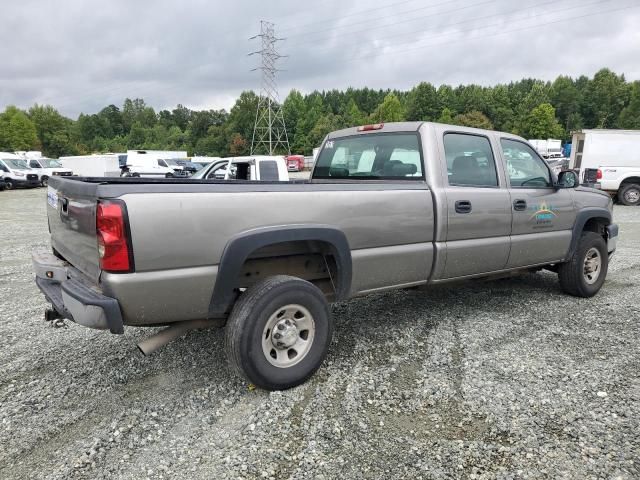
(543, 216)
(478, 205)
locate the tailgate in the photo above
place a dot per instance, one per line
(71, 208)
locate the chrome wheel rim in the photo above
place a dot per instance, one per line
(632, 196)
(592, 266)
(288, 335)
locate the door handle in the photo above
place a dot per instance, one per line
(463, 206)
(519, 205)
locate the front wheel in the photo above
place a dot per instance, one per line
(629, 194)
(584, 273)
(279, 332)
(44, 181)
(9, 184)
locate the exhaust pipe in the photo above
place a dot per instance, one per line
(160, 339)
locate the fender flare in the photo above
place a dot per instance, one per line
(582, 217)
(241, 246)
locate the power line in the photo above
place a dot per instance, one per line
(398, 13)
(403, 34)
(358, 13)
(543, 24)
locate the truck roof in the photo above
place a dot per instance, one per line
(414, 127)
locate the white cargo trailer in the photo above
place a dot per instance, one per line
(106, 165)
(549, 148)
(615, 155)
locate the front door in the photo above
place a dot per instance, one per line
(543, 216)
(478, 207)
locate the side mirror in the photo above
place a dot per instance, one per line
(568, 179)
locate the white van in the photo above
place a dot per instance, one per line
(16, 172)
(615, 155)
(47, 167)
(153, 163)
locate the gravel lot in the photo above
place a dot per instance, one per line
(504, 379)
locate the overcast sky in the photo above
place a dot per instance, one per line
(81, 55)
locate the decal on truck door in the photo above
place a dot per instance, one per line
(543, 215)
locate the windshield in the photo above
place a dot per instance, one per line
(16, 164)
(174, 162)
(371, 157)
(50, 163)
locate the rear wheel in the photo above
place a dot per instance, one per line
(9, 184)
(585, 272)
(44, 180)
(279, 332)
(629, 194)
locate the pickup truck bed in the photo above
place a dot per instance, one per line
(387, 206)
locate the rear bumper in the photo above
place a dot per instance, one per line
(73, 299)
(612, 237)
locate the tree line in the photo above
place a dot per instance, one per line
(529, 107)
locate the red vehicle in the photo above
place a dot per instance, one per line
(295, 163)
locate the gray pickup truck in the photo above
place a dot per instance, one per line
(388, 206)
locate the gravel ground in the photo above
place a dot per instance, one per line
(504, 379)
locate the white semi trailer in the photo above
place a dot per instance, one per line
(106, 165)
(615, 156)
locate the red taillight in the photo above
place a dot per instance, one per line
(113, 244)
(366, 128)
(599, 174)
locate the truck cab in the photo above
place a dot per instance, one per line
(47, 167)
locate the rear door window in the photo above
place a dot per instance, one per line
(395, 156)
(470, 161)
(268, 170)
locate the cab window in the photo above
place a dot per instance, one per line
(524, 167)
(394, 156)
(470, 161)
(34, 164)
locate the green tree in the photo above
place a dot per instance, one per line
(630, 115)
(293, 109)
(542, 123)
(445, 116)
(390, 110)
(238, 145)
(352, 115)
(604, 98)
(422, 103)
(325, 124)
(473, 119)
(17, 131)
(53, 130)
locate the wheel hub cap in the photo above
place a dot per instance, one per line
(288, 335)
(592, 265)
(632, 196)
(285, 334)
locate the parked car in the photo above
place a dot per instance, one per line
(257, 167)
(47, 167)
(152, 163)
(16, 172)
(2, 187)
(391, 206)
(189, 167)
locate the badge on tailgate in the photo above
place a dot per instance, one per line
(52, 197)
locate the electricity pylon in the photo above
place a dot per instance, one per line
(269, 131)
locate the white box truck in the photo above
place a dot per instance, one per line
(615, 155)
(98, 165)
(549, 148)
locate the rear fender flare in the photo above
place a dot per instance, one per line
(241, 246)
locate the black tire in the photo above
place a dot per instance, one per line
(572, 273)
(629, 194)
(44, 180)
(9, 184)
(246, 326)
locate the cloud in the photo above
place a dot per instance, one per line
(82, 55)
